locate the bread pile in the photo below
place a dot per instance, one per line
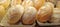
(28, 12)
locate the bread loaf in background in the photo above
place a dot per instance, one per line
(27, 3)
(13, 15)
(38, 3)
(52, 1)
(56, 16)
(45, 12)
(2, 12)
(58, 4)
(15, 2)
(29, 15)
(5, 3)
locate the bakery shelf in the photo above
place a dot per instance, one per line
(48, 24)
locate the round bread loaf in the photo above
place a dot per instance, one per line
(38, 3)
(13, 15)
(29, 15)
(45, 13)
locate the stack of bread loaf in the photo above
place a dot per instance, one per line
(28, 12)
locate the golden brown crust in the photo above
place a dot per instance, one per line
(2, 12)
(5, 3)
(27, 3)
(15, 14)
(44, 13)
(16, 2)
(38, 3)
(29, 15)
